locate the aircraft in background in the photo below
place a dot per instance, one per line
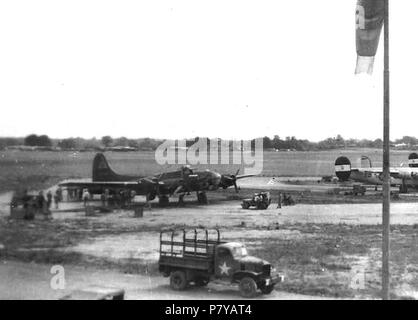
(401, 176)
(163, 185)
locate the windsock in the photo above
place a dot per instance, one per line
(369, 23)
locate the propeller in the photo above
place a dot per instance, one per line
(234, 180)
(228, 180)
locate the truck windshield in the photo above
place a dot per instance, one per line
(239, 252)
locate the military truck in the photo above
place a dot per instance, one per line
(199, 256)
(259, 200)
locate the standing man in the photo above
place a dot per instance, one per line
(107, 195)
(103, 199)
(59, 193)
(49, 199)
(86, 197)
(279, 201)
(56, 199)
(40, 201)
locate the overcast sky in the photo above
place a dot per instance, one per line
(219, 68)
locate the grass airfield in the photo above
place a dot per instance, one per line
(44, 169)
(327, 245)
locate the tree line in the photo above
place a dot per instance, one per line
(276, 143)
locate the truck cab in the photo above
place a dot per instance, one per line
(200, 260)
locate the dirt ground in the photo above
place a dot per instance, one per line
(35, 284)
(325, 250)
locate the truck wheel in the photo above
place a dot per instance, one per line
(163, 201)
(202, 198)
(178, 280)
(245, 205)
(262, 206)
(267, 289)
(248, 287)
(201, 282)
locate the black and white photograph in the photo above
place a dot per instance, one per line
(237, 151)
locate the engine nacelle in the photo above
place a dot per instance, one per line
(343, 168)
(404, 175)
(407, 175)
(413, 160)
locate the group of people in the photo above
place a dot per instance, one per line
(285, 200)
(33, 204)
(57, 198)
(44, 203)
(121, 198)
(76, 194)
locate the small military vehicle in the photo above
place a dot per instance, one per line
(24, 206)
(359, 189)
(259, 200)
(199, 256)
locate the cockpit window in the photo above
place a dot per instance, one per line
(187, 170)
(223, 253)
(239, 252)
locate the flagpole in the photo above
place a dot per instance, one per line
(386, 163)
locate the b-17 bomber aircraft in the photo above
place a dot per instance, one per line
(163, 185)
(401, 176)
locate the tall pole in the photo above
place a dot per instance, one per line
(386, 163)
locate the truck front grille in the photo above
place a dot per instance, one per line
(266, 269)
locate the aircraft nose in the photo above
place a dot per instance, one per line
(215, 179)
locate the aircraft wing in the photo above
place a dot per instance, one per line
(404, 173)
(141, 187)
(397, 173)
(245, 176)
(371, 170)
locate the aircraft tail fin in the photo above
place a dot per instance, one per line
(343, 168)
(101, 169)
(365, 162)
(413, 160)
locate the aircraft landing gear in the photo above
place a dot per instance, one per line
(202, 198)
(147, 201)
(181, 200)
(403, 188)
(163, 201)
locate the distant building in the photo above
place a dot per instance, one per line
(32, 148)
(121, 149)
